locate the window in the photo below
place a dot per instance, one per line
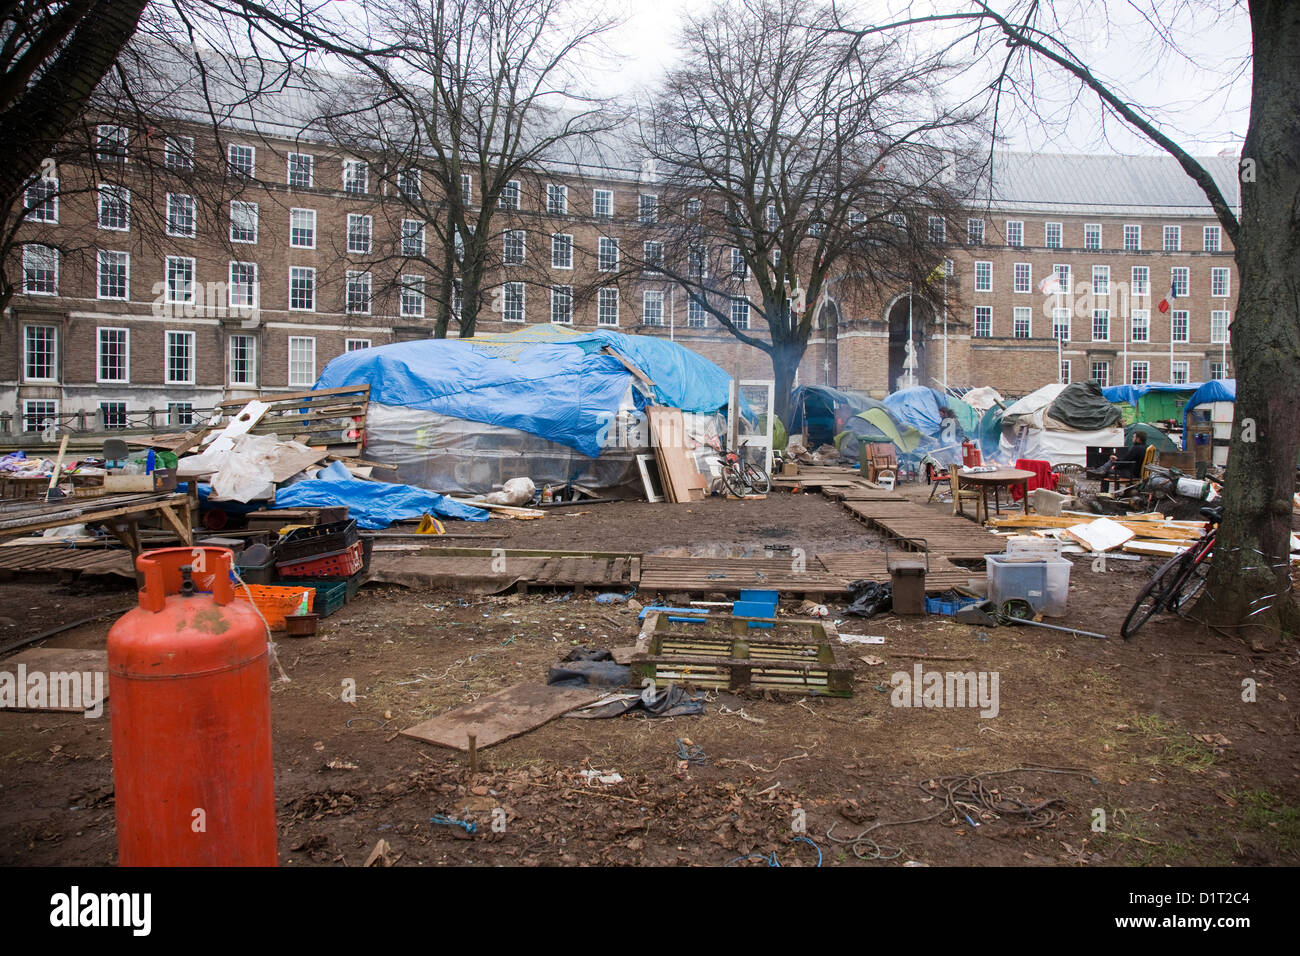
(111, 144)
(937, 229)
(1141, 280)
(602, 202)
(413, 240)
(302, 361)
(557, 199)
(180, 215)
(242, 160)
(1132, 238)
(1219, 333)
(1022, 280)
(983, 277)
(740, 312)
(1179, 325)
(457, 297)
(975, 232)
(653, 253)
(1101, 280)
(561, 251)
(1061, 325)
(1052, 235)
(1180, 279)
(356, 176)
(360, 233)
(897, 219)
(647, 208)
(114, 275)
(1217, 370)
(652, 308)
(1022, 322)
(242, 287)
(178, 153)
(113, 414)
(697, 264)
(243, 221)
(243, 360)
(1062, 272)
(1173, 238)
(1139, 373)
(983, 322)
(412, 297)
(512, 251)
(1100, 373)
(180, 413)
(1065, 371)
(607, 255)
(1015, 232)
(1101, 325)
(607, 307)
(302, 228)
(693, 207)
(509, 198)
(358, 293)
(408, 184)
(776, 259)
(1092, 235)
(1212, 239)
(1140, 325)
(114, 208)
(512, 302)
(301, 169)
(40, 414)
(180, 279)
(467, 189)
(40, 270)
(180, 358)
(355, 345)
(40, 353)
(739, 268)
(817, 229)
(562, 304)
(696, 314)
(771, 220)
(1180, 373)
(42, 201)
(1220, 284)
(948, 268)
(302, 289)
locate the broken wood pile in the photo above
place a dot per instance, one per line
(679, 477)
(1149, 534)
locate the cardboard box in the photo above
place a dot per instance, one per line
(162, 479)
(789, 469)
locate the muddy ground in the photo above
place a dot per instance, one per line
(1154, 733)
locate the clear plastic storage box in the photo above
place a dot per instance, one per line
(1043, 582)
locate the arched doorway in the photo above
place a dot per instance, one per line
(922, 315)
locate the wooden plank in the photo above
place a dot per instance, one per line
(274, 397)
(500, 716)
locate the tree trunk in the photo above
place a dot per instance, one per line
(785, 364)
(1249, 587)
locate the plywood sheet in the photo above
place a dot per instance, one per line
(500, 716)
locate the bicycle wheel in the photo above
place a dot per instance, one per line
(733, 477)
(1154, 595)
(1191, 581)
(757, 479)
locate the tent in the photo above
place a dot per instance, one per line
(1153, 402)
(875, 425)
(1030, 428)
(919, 407)
(465, 415)
(1154, 435)
(1215, 390)
(823, 412)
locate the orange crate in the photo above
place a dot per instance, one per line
(276, 603)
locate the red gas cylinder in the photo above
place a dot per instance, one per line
(190, 693)
(970, 454)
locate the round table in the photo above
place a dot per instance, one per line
(984, 480)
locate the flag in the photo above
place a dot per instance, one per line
(1050, 285)
(936, 275)
(1167, 300)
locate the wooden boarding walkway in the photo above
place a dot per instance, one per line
(45, 557)
(954, 538)
(732, 575)
(870, 565)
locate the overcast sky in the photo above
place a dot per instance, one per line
(1186, 91)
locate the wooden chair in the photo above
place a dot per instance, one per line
(1071, 475)
(880, 455)
(965, 494)
(1148, 459)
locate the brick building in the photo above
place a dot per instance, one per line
(179, 296)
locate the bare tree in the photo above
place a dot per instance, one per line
(790, 158)
(1249, 586)
(474, 101)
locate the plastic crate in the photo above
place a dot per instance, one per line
(940, 606)
(336, 564)
(332, 594)
(276, 602)
(312, 542)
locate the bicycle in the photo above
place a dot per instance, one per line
(1179, 580)
(741, 477)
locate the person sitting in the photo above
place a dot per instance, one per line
(1126, 464)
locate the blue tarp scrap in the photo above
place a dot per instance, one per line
(374, 504)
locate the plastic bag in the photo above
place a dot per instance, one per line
(870, 598)
(245, 471)
(516, 491)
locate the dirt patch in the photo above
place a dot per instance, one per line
(1184, 739)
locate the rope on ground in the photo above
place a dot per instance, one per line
(467, 825)
(771, 859)
(691, 753)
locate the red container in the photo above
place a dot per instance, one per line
(970, 454)
(335, 564)
(189, 688)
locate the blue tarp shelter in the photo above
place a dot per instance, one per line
(1215, 390)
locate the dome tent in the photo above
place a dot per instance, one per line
(463, 415)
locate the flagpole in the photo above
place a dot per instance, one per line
(910, 373)
(945, 327)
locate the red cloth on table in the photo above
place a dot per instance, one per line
(1044, 477)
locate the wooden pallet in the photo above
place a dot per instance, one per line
(45, 558)
(954, 538)
(334, 418)
(490, 571)
(723, 651)
(870, 566)
(732, 575)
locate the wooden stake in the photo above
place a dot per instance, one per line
(473, 753)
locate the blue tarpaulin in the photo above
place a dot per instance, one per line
(374, 504)
(542, 379)
(1215, 390)
(1133, 393)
